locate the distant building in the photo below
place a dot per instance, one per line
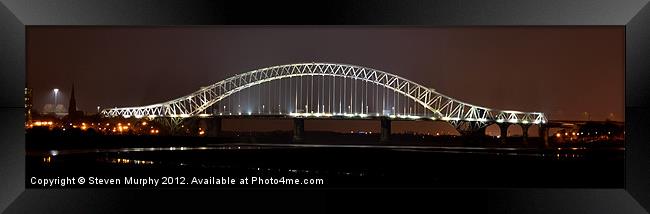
(28, 105)
(73, 113)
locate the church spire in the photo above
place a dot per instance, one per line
(72, 106)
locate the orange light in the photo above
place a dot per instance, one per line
(144, 123)
(558, 135)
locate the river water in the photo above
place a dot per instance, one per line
(347, 166)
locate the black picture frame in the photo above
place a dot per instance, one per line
(15, 15)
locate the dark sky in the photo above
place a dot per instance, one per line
(562, 71)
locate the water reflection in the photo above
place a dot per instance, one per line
(129, 161)
(47, 159)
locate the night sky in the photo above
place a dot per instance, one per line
(562, 71)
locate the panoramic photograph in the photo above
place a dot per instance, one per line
(325, 107)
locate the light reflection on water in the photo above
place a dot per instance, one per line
(447, 149)
(129, 161)
(558, 153)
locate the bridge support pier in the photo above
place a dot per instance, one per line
(503, 127)
(543, 133)
(385, 130)
(524, 132)
(212, 126)
(298, 129)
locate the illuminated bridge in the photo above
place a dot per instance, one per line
(327, 91)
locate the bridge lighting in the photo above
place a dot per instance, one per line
(204, 115)
(434, 101)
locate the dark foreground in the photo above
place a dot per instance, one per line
(372, 165)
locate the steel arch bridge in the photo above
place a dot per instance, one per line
(428, 103)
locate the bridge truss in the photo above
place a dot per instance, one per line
(339, 90)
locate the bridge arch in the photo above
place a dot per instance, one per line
(458, 113)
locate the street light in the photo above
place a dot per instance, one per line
(56, 92)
